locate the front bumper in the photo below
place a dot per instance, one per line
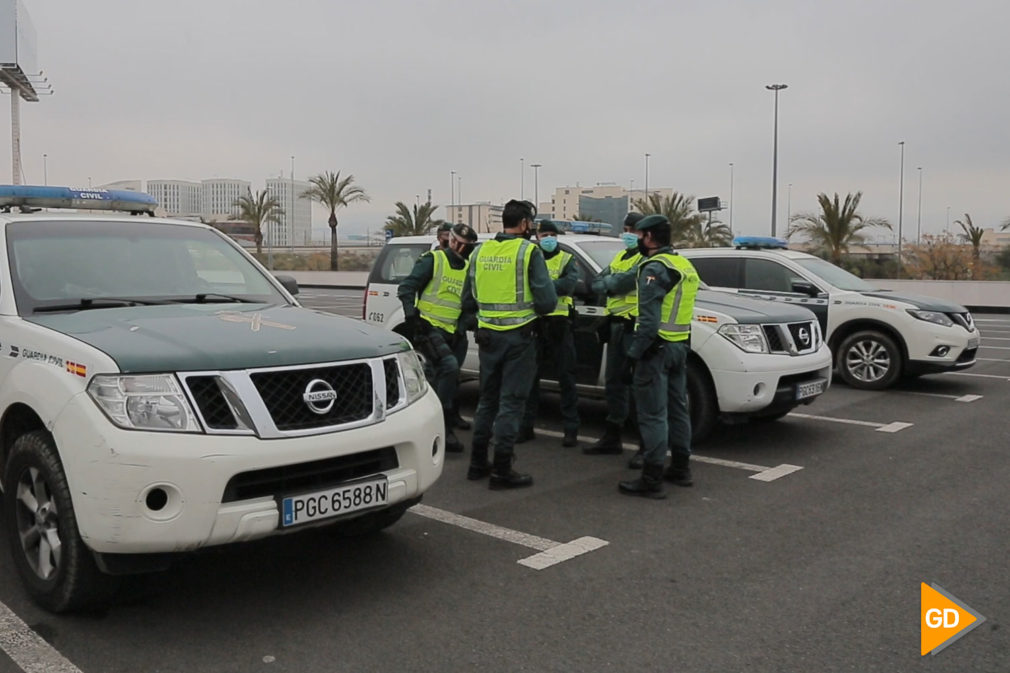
(935, 348)
(111, 472)
(762, 383)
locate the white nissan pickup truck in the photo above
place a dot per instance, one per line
(161, 392)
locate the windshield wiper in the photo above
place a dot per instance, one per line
(214, 298)
(86, 303)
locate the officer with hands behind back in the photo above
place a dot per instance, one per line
(619, 282)
(667, 287)
(555, 341)
(508, 286)
(431, 299)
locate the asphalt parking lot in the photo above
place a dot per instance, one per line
(801, 547)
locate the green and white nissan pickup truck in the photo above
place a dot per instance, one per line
(161, 392)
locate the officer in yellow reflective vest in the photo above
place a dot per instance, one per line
(508, 286)
(667, 287)
(619, 282)
(555, 341)
(431, 299)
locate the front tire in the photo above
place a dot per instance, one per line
(56, 567)
(701, 402)
(869, 360)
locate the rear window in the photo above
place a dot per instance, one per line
(395, 262)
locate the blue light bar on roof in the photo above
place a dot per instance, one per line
(118, 200)
(758, 242)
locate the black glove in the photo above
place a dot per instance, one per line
(412, 325)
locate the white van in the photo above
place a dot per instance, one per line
(877, 336)
(750, 359)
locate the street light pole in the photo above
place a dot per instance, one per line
(452, 188)
(522, 178)
(789, 204)
(536, 185)
(459, 189)
(647, 155)
(45, 169)
(291, 219)
(775, 147)
(918, 215)
(731, 197)
(901, 200)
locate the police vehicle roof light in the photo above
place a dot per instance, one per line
(32, 197)
(760, 242)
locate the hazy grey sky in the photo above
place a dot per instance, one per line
(401, 93)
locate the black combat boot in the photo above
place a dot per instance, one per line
(649, 485)
(637, 461)
(679, 472)
(479, 465)
(610, 442)
(452, 443)
(503, 476)
(571, 438)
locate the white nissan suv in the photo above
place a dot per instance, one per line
(877, 336)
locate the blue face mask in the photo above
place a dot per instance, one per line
(630, 240)
(549, 244)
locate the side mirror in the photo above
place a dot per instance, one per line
(289, 283)
(805, 287)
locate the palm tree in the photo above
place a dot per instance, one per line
(678, 209)
(257, 210)
(1005, 225)
(972, 234)
(710, 234)
(586, 218)
(836, 227)
(333, 192)
(416, 223)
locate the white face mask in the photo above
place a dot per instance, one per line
(629, 239)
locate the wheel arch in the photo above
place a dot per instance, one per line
(853, 326)
(18, 419)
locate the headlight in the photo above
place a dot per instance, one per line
(749, 338)
(413, 375)
(145, 402)
(934, 317)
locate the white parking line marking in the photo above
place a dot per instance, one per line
(880, 427)
(896, 426)
(982, 376)
(989, 338)
(776, 472)
(563, 552)
(27, 649)
(994, 359)
(998, 348)
(551, 552)
(956, 398)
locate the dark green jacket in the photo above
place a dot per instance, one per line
(654, 281)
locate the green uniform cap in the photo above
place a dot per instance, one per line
(651, 221)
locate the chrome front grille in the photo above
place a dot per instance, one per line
(278, 402)
(795, 338)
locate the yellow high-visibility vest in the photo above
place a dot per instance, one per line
(678, 304)
(441, 301)
(555, 265)
(499, 275)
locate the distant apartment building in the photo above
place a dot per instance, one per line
(218, 197)
(483, 217)
(604, 202)
(295, 226)
(177, 197)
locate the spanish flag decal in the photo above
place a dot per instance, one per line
(75, 368)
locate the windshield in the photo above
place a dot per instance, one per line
(59, 264)
(602, 251)
(835, 275)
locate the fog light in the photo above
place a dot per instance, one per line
(156, 499)
(759, 389)
(940, 351)
(434, 447)
(162, 502)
